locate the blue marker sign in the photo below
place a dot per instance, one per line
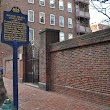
(15, 28)
(15, 32)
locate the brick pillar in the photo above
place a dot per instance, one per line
(47, 37)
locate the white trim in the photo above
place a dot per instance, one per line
(41, 4)
(70, 37)
(61, 6)
(29, 16)
(61, 38)
(31, 38)
(68, 7)
(20, 56)
(40, 19)
(59, 21)
(70, 19)
(31, 1)
(54, 5)
(50, 19)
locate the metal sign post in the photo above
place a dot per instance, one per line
(15, 32)
(15, 76)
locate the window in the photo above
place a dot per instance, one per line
(61, 36)
(42, 2)
(52, 3)
(61, 21)
(31, 1)
(70, 36)
(42, 18)
(70, 24)
(31, 34)
(52, 19)
(61, 6)
(69, 7)
(30, 15)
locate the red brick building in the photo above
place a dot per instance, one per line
(69, 16)
(78, 67)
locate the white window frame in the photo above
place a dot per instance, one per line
(41, 4)
(31, 38)
(61, 17)
(69, 36)
(50, 19)
(61, 36)
(29, 16)
(40, 19)
(68, 7)
(61, 6)
(71, 23)
(31, 1)
(53, 6)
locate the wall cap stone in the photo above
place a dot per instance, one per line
(83, 40)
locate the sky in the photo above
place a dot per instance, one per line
(97, 17)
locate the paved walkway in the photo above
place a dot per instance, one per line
(31, 98)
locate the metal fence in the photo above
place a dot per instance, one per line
(32, 62)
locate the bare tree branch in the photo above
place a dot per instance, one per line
(100, 9)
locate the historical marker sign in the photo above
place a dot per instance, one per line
(14, 27)
(15, 32)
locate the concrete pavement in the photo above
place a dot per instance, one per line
(32, 98)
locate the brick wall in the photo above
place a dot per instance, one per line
(25, 6)
(83, 68)
(79, 67)
(8, 68)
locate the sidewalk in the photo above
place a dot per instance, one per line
(32, 98)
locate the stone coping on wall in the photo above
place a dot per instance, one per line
(83, 40)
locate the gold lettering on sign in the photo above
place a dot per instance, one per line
(15, 29)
